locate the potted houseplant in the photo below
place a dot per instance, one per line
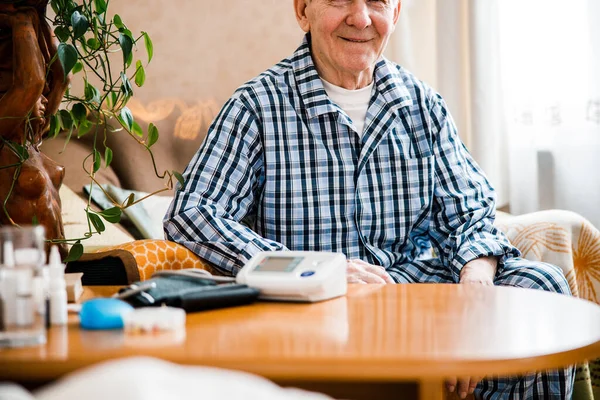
(40, 52)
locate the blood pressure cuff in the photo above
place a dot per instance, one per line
(190, 294)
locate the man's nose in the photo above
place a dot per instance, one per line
(359, 16)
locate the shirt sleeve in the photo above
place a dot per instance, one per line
(464, 205)
(222, 186)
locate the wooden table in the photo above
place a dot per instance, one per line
(363, 345)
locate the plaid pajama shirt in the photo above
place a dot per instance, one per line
(282, 168)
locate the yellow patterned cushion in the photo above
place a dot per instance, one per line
(153, 255)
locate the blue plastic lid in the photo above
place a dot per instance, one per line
(103, 313)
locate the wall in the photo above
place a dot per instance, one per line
(206, 49)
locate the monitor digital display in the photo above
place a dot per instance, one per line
(278, 264)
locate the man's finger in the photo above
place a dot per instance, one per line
(364, 271)
(370, 277)
(375, 269)
(451, 384)
(473, 384)
(354, 279)
(379, 271)
(463, 387)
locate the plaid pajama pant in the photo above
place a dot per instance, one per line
(517, 272)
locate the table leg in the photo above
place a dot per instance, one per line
(431, 390)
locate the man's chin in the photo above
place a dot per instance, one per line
(358, 66)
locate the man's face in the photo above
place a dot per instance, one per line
(348, 36)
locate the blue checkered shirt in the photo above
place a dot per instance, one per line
(282, 168)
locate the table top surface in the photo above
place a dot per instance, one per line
(376, 332)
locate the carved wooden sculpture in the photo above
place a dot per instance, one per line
(31, 89)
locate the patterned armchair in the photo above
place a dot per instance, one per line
(568, 240)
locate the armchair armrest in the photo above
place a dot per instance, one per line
(562, 238)
(129, 262)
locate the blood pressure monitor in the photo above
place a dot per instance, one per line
(303, 276)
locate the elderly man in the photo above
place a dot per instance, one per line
(338, 149)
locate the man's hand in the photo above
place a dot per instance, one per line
(363, 272)
(465, 385)
(480, 271)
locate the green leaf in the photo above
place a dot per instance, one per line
(65, 119)
(108, 156)
(54, 126)
(79, 23)
(97, 160)
(55, 8)
(67, 54)
(149, 46)
(140, 74)
(88, 91)
(118, 22)
(152, 135)
(137, 129)
(179, 178)
(126, 45)
(62, 33)
(84, 127)
(93, 44)
(126, 85)
(67, 139)
(35, 221)
(112, 215)
(112, 99)
(75, 253)
(91, 93)
(100, 6)
(77, 67)
(127, 118)
(129, 200)
(79, 112)
(20, 151)
(97, 222)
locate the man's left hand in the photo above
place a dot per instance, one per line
(480, 271)
(463, 386)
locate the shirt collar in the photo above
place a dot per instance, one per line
(388, 82)
(309, 83)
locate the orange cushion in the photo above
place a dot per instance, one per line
(153, 255)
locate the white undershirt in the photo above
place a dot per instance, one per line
(353, 102)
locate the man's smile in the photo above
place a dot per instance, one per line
(355, 40)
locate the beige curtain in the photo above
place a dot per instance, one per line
(550, 53)
(453, 46)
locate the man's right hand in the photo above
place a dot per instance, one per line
(363, 272)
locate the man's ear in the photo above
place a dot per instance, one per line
(300, 9)
(397, 9)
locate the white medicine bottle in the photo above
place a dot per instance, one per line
(58, 289)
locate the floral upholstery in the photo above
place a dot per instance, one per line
(569, 241)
